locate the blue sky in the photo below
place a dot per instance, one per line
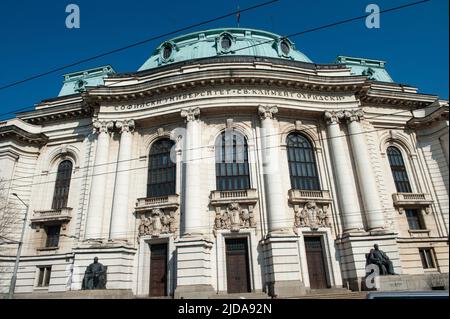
(34, 39)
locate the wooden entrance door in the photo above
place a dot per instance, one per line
(316, 263)
(238, 277)
(158, 270)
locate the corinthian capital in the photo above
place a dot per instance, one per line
(190, 114)
(103, 126)
(354, 115)
(267, 111)
(125, 126)
(333, 117)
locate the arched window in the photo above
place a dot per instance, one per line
(398, 170)
(161, 169)
(62, 185)
(232, 170)
(302, 163)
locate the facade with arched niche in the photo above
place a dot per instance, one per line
(229, 163)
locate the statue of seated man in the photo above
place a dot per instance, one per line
(95, 276)
(379, 258)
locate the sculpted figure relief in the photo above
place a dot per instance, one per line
(158, 222)
(312, 216)
(234, 218)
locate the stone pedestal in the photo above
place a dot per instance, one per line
(117, 257)
(283, 266)
(408, 282)
(353, 248)
(193, 268)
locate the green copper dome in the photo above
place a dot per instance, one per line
(222, 42)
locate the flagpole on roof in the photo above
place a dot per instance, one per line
(238, 16)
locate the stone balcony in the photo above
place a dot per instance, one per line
(63, 215)
(171, 202)
(298, 196)
(246, 196)
(412, 199)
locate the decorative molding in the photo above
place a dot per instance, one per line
(267, 111)
(354, 115)
(311, 216)
(103, 126)
(191, 114)
(157, 222)
(125, 126)
(333, 117)
(234, 218)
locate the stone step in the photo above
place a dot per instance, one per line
(249, 295)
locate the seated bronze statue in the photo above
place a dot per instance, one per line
(94, 276)
(379, 258)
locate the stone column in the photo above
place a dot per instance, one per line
(282, 259)
(94, 223)
(346, 189)
(119, 218)
(193, 248)
(278, 218)
(192, 158)
(366, 177)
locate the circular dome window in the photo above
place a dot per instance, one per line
(167, 51)
(225, 43)
(285, 47)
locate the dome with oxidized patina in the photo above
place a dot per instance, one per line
(224, 42)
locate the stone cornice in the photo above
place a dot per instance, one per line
(9, 131)
(441, 114)
(395, 97)
(57, 113)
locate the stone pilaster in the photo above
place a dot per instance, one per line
(119, 217)
(94, 229)
(346, 189)
(366, 178)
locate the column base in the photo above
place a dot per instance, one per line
(193, 268)
(283, 266)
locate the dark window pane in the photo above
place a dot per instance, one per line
(232, 169)
(414, 219)
(161, 169)
(398, 170)
(62, 185)
(302, 163)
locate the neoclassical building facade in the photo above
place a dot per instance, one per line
(228, 163)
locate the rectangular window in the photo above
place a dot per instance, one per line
(44, 276)
(53, 233)
(414, 219)
(427, 257)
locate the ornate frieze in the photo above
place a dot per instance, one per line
(103, 126)
(267, 111)
(157, 222)
(191, 114)
(333, 117)
(234, 218)
(125, 126)
(311, 215)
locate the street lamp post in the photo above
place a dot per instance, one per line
(12, 286)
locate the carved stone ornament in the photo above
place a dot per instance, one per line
(333, 117)
(103, 126)
(157, 222)
(234, 218)
(312, 216)
(191, 114)
(354, 115)
(125, 126)
(267, 111)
